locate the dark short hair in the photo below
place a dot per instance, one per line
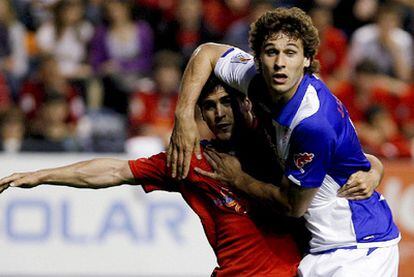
(212, 84)
(294, 23)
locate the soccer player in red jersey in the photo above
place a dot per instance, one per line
(248, 237)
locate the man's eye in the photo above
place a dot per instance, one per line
(226, 102)
(270, 52)
(208, 106)
(290, 52)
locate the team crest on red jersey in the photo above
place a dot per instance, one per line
(302, 158)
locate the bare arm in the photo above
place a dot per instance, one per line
(362, 184)
(289, 198)
(185, 137)
(96, 173)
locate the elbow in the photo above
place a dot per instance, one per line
(211, 50)
(296, 212)
(206, 46)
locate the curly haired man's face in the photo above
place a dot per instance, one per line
(282, 61)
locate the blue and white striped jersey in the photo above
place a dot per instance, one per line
(319, 148)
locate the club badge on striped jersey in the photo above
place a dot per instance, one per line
(302, 158)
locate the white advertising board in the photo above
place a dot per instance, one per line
(57, 231)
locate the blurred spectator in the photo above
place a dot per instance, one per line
(50, 130)
(121, 52)
(188, 31)
(102, 131)
(380, 135)
(67, 37)
(46, 83)
(156, 11)
(349, 15)
(94, 11)
(12, 131)
(33, 13)
(384, 43)
(151, 113)
(5, 99)
(367, 87)
(408, 11)
(380, 107)
(333, 46)
(238, 32)
(220, 14)
(13, 54)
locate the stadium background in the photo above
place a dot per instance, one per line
(81, 79)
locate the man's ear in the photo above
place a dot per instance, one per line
(306, 62)
(247, 105)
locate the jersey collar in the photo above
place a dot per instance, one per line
(288, 111)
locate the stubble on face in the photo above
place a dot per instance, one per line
(282, 63)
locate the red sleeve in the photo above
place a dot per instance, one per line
(151, 173)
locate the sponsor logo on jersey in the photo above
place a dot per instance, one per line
(302, 158)
(228, 200)
(240, 58)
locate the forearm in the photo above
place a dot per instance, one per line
(97, 173)
(288, 198)
(198, 69)
(268, 193)
(377, 168)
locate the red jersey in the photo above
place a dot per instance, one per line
(33, 94)
(245, 245)
(151, 109)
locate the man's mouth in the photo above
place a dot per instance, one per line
(223, 126)
(279, 78)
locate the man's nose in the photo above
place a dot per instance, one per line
(279, 62)
(219, 112)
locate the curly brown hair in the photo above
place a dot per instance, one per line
(292, 22)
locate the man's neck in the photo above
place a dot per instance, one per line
(279, 100)
(224, 146)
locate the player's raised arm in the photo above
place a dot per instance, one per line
(96, 173)
(185, 137)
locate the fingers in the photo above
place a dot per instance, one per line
(197, 150)
(214, 155)
(211, 175)
(186, 163)
(357, 197)
(174, 155)
(8, 179)
(351, 191)
(3, 187)
(169, 153)
(180, 162)
(14, 180)
(210, 160)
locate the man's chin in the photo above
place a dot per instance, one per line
(223, 136)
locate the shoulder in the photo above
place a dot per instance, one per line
(315, 126)
(402, 37)
(365, 33)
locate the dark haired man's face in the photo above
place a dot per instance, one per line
(282, 61)
(217, 112)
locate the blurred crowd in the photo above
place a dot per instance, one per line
(103, 75)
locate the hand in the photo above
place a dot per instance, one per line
(24, 180)
(360, 185)
(226, 168)
(184, 140)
